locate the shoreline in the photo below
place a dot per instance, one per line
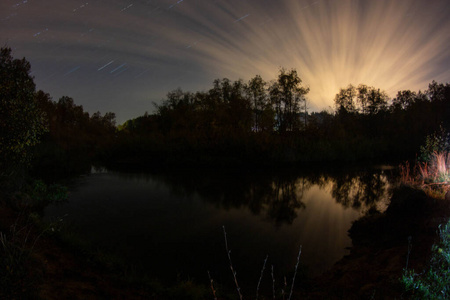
(379, 251)
(371, 270)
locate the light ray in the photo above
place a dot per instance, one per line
(392, 45)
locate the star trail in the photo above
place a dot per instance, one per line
(122, 55)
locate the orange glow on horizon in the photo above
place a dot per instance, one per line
(102, 54)
(392, 45)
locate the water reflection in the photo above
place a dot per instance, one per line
(170, 223)
(360, 189)
(278, 196)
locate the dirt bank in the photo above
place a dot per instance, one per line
(379, 249)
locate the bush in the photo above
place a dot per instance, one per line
(434, 283)
(37, 195)
(438, 142)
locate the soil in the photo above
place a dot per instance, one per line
(56, 271)
(372, 270)
(379, 251)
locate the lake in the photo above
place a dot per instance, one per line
(170, 224)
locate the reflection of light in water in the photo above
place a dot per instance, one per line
(391, 45)
(153, 223)
(323, 226)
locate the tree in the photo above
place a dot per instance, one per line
(239, 116)
(345, 100)
(438, 92)
(365, 99)
(21, 121)
(287, 94)
(376, 101)
(256, 93)
(403, 100)
(363, 92)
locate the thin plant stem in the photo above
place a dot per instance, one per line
(295, 272)
(284, 289)
(260, 278)
(231, 264)
(273, 284)
(212, 286)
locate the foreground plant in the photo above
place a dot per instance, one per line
(433, 283)
(432, 176)
(16, 247)
(261, 276)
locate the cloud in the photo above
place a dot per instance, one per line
(163, 45)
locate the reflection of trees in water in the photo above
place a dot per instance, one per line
(361, 189)
(277, 196)
(286, 199)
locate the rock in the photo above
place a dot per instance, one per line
(447, 195)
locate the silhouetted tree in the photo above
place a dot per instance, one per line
(257, 95)
(21, 120)
(345, 100)
(403, 100)
(377, 100)
(363, 99)
(236, 120)
(287, 94)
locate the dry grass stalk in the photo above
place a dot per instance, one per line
(440, 161)
(231, 264)
(260, 278)
(405, 173)
(433, 174)
(212, 286)
(273, 284)
(295, 272)
(285, 287)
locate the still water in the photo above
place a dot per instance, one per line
(170, 225)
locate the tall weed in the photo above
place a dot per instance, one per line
(433, 176)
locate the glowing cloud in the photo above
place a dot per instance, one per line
(392, 45)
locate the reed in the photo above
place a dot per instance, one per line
(295, 272)
(273, 284)
(212, 286)
(231, 264)
(233, 271)
(433, 176)
(260, 278)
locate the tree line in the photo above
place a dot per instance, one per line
(258, 121)
(233, 122)
(74, 139)
(41, 134)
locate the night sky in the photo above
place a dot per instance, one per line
(120, 56)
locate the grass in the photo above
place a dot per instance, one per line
(18, 239)
(16, 249)
(434, 282)
(432, 176)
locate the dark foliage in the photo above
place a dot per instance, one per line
(75, 139)
(21, 121)
(256, 123)
(233, 123)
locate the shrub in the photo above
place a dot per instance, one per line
(433, 283)
(438, 142)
